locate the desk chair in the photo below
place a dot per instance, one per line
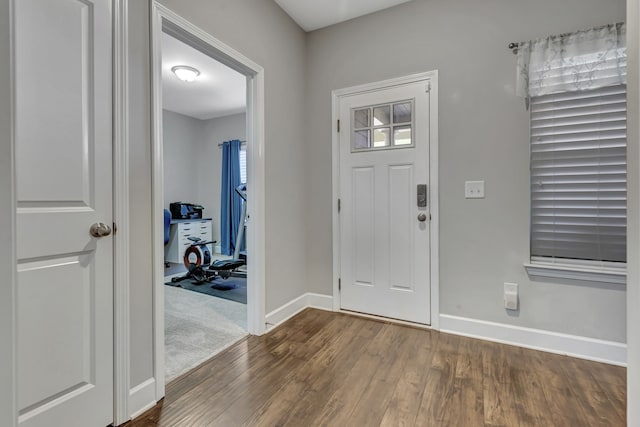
(167, 224)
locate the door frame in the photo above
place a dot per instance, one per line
(121, 212)
(8, 327)
(165, 20)
(430, 78)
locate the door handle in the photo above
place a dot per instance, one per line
(422, 217)
(100, 229)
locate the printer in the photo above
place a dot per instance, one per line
(181, 210)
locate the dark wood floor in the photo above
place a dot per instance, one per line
(331, 369)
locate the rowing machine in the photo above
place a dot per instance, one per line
(197, 260)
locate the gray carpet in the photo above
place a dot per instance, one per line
(174, 269)
(197, 327)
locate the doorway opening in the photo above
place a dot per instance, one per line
(205, 176)
(208, 192)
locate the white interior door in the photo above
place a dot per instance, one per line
(63, 179)
(384, 230)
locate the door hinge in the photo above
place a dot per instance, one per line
(428, 88)
(339, 284)
(339, 205)
(338, 126)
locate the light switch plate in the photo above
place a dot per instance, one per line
(474, 189)
(511, 296)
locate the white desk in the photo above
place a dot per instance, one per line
(179, 233)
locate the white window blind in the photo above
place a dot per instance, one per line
(578, 175)
(243, 163)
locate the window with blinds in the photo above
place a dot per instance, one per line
(243, 163)
(578, 175)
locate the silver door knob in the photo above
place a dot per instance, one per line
(100, 229)
(422, 217)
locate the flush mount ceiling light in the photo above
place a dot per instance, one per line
(185, 73)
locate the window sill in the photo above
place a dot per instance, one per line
(564, 271)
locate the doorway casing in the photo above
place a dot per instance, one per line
(165, 20)
(431, 79)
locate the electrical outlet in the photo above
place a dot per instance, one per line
(474, 189)
(511, 296)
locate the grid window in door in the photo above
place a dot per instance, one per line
(382, 126)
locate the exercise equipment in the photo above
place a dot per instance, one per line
(241, 190)
(197, 259)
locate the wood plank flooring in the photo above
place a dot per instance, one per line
(331, 369)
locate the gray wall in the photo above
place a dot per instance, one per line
(483, 136)
(260, 30)
(472, 138)
(141, 297)
(216, 131)
(193, 160)
(182, 142)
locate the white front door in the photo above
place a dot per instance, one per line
(63, 185)
(384, 197)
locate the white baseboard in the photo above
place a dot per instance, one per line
(142, 397)
(611, 352)
(614, 353)
(319, 301)
(293, 307)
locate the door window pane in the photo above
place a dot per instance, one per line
(402, 112)
(402, 135)
(381, 137)
(361, 118)
(381, 115)
(361, 139)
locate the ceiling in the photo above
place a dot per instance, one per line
(314, 14)
(218, 91)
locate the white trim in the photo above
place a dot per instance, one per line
(8, 290)
(295, 306)
(142, 397)
(163, 19)
(285, 312)
(397, 81)
(574, 272)
(157, 203)
(614, 353)
(581, 263)
(319, 301)
(335, 195)
(386, 319)
(432, 77)
(121, 325)
(434, 198)
(633, 212)
(256, 209)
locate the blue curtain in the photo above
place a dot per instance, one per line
(230, 203)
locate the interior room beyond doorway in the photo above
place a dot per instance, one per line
(204, 152)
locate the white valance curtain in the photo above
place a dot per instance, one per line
(583, 60)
